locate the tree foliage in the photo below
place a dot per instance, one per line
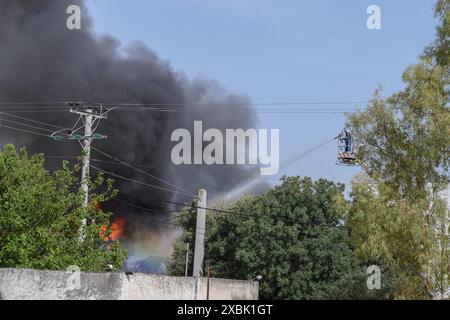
(178, 264)
(439, 50)
(404, 146)
(41, 214)
(292, 235)
(300, 235)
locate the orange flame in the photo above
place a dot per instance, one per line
(116, 230)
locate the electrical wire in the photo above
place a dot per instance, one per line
(179, 215)
(26, 131)
(36, 127)
(286, 221)
(73, 130)
(26, 125)
(34, 111)
(259, 111)
(212, 110)
(31, 120)
(101, 161)
(23, 103)
(138, 182)
(65, 103)
(147, 208)
(325, 107)
(250, 104)
(274, 111)
(141, 171)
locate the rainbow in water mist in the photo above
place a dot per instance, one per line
(149, 250)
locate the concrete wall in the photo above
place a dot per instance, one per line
(224, 289)
(43, 285)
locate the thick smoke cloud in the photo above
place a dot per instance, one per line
(41, 60)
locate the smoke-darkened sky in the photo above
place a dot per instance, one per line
(41, 60)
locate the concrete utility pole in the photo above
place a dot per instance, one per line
(187, 260)
(90, 115)
(208, 283)
(199, 251)
(86, 156)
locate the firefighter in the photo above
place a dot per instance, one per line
(347, 138)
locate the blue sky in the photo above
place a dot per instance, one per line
(282, 51)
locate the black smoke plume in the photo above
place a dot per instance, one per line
(41, 60)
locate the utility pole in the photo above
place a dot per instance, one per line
(208, 283)
(86, 156)
(199, 251)
(90, 114)
(187, 260)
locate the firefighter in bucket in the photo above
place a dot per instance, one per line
(346, 154)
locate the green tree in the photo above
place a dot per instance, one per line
(404, 147)
(439, 50)
(41, 214)
(292, 235)
(178, 264)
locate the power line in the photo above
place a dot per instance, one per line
(269, 111)
(287, 221)
(211, 106)
(283, 103)
(102, 161)
(31, 120)
(22, 103)
(190, 213)
(34, 108)
(220, 211)
(26, 131)
(240, 104)
(117, 163)
(141, 171)
(273, 107)
(175, 110)
(139, 182)
(250, 107)
(212, 110)
(26, 125)
(244, 108)
(154, 210)
(205, 107)
(35, 111)
(148, 166)
(65, 103)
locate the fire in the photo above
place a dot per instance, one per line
(116, 230)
